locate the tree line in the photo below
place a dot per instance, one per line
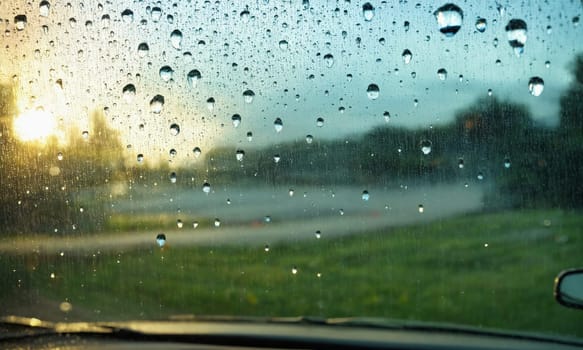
(494, 141)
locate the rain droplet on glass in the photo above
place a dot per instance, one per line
(516, 33)
(143, 49)
(481, 24)
(174, 129)
(425, 146)
(20, 22)
(372, 91)
(161, 239)
(442, 73)
(449, 19)
(176, 39)
(236, 119)
(329, 59)
(193, 77)
(407, 56)
(239, 155)
(368, 11)
(127, 16)
(44, 8)
(248, 96)
(536, 86)
(278, 124)
(365, 196)
(166, 73)
(157, 104)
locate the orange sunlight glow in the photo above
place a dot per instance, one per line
(34, 125)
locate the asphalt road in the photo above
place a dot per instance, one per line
(259, 216)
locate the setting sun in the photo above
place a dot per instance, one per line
(34, 125)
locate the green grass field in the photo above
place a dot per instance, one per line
(487, 270)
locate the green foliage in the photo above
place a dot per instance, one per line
(489, 270)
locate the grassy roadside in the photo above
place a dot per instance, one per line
(491, 270)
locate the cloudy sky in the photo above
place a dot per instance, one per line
(75, 58)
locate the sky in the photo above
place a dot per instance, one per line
(78, 57)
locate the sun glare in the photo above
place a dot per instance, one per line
(34, 125)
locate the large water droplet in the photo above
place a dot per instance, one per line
(127, 16)
(236, 119)
(172, 177)
(329, 59)
(320, 122)
(44, 8)
(176, 39)
(217, 223)
(372, 91)
(129, 92)
(407, 56)
(105, 19)
(449, 19)
(442, 73)
(365, 196)
(193, 77)
(161, 239)
(140, 158)
(536, 86)
(166, 73)
(239, 155)
(206, 188)
(143, 49)
(196, 151)
(516, 33)
(283, 44)
(248, 96)
(507, 162)
(368, 11)
(20, 22)
(157, 104)
(174, 129)
(425, 146)
(155, 14)
(481, 25)
(309, 139)
(245, 16)
(210, 103)
(278, 124)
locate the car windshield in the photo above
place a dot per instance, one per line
(417, 161)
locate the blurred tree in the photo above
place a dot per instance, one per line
(41, 182)
(567, 164)
(93, 157)
(571, 115)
